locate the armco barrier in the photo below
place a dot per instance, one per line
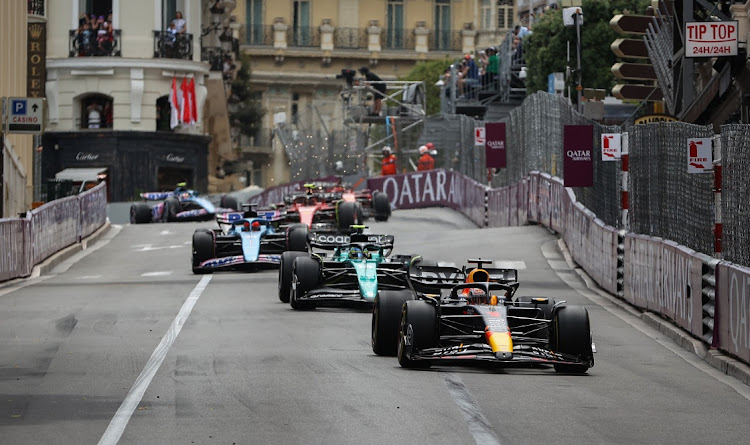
(26, 242)
(733, 310)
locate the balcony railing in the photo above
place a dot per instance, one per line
(445, 41)
(36, 7)
(304, 36)
(90, 44)
(350, 38)
(173, 46)
(260, 35)
(396, 38)
(262, 142)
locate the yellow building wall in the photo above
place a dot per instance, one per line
(13, 61)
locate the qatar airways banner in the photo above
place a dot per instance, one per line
(578, 162)
(433, 188)
(494, 144)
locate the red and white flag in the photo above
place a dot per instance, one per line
(174, 102)
(193, 103)
(185, 113)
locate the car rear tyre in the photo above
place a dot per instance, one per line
(347, 215)
(296, 238)
(306, 277)
(286, 272)
(171, 209)
(140, 213)
(382, 206)
(229, 202)
(571, 334)
(416, 332)
(204, 243)
(386, 318)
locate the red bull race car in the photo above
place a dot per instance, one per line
(463, 316)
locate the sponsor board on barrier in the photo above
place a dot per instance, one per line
(733, 309)
(680, 290)
(578, 162)
(641, 262)
(495, 145)
(423, 189)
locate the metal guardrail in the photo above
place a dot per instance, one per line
(26, 242)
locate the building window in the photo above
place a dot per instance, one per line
(255, 22)
(163, 114)
(504, 14)
(485, 15)
(96, 8)
(169, 10)
(301, 35)
(443, 24)
(295, 109)
(395, 24)
(96, 112)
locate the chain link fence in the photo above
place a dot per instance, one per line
(735, 193)
(665, 200)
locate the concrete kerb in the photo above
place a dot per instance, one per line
(50, 263)
(717, 359)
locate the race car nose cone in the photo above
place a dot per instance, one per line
(504, 355)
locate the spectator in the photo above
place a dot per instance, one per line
(94, 115)
(426, 161)
(379, 86)
(179, 23)
(84, 39)
(388, 162)
(105, 38)
(471, 75)
(493, 68)
(170, 41)
(520, 33)
(108, 117)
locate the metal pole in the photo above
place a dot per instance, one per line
(454, 93)
(579, 87)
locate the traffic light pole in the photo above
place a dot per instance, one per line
(579, 87)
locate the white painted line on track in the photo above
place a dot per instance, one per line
(518, 265)
(160, 273)
(88, 277)
(164, 232)
(479, 427)
(121, 418)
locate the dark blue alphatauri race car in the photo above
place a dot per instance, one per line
(179, 205)
(245, 241)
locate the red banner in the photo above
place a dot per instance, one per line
(578, 147)
(494, 144)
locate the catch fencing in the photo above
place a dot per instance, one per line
(735, 193)
(27, 241)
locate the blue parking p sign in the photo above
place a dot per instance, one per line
(18, 107)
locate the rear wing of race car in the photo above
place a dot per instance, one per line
(156, 196)
(331, 240)
(430, 278)
(230, 217)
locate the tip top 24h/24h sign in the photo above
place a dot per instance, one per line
(711, 39)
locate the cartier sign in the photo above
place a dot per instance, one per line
(171, 157)
(83, 156)
(37, 52)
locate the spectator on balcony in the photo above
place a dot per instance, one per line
(378, 85)
(94, 115)
(179, 23)
(105, 38)
(84, 37)
(170, 41)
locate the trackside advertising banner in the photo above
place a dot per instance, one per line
(578, 148)
(494, 144)
(733, 309)
(433, 188)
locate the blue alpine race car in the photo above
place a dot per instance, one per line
(178, 205)
(244, 240)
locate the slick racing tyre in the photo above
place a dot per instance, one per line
(171, 209)
(229, 202)
(140, 213)
(571, 334)
(306, 277)
(286, 274)
(544, 312)
(347, 215)
(386, 317)
(296, 238)
(416, 332)
(381, 206)
(204, 244)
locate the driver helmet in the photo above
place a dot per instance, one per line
(423, 149)
(355, 252)
(476, 296)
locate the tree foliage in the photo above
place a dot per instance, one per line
(546, 49)
(429, 72)
(246, 112)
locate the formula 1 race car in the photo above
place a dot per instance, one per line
(478, 319)
(374, 204)
(179, 205)
(244, 241)
(351, 276)
(320, 211)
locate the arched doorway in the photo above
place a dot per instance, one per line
(163, 114)
(96, 111)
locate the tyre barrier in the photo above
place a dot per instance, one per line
(27, 241)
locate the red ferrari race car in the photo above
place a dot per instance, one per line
(374, 204)
(320, 211)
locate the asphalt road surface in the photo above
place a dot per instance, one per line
(123, 344)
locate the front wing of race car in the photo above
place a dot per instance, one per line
(522, 354)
